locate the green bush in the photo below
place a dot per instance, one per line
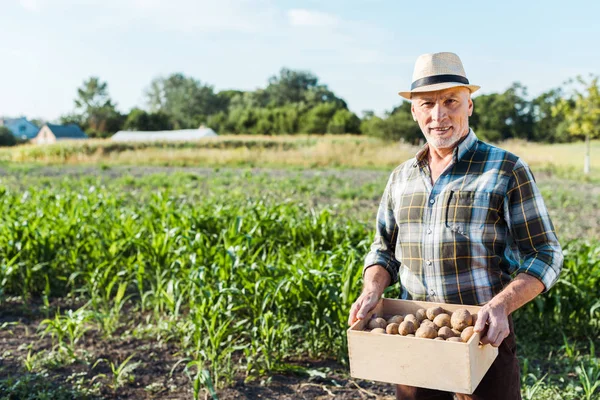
(6, 137)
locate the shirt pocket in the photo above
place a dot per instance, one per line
(467, 211)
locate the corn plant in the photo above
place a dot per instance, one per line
(121, 373)
(66, 329)
(589, 378)
(200, 380)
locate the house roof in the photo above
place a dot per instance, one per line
(176, 135)
(15, 125)
(70, 131)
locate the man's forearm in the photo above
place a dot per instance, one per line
(494, 314)
(519, 292)
(376, 279)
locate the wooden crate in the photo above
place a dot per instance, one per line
(434, 364)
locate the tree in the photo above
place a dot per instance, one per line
(299, 86)
(94, 109)
(500, 116)
(317, 118)
(6, 137)
(584, 119)
(344, 121)
(549, 119)
(397, 125)
(140, 120)
(184, 99)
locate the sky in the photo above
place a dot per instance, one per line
(364, 51)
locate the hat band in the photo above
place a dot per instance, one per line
(432, 80)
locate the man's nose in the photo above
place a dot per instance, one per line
(438, 112)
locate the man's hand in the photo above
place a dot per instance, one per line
(492, 323)
(494, 315)
(376, 279)
(361, 307)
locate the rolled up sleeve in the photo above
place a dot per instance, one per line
(532, 229)
(383, 247)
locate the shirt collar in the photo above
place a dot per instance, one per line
(459, 151)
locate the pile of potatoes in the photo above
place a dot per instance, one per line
(433, 323)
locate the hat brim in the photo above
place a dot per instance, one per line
(436, 87)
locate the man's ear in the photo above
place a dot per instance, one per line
(471, 106)
(412, 111)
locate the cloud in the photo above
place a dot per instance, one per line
(200, 16)
(310, 18)
(31, 5)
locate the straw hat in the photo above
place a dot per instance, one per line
(438, 71)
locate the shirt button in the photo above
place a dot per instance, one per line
(432, 292)
(429, 231)
(428, 262)
(432, 201)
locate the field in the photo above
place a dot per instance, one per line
(226, 269)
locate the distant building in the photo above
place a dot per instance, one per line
(51, 133)
(177, 135)
(20, 128)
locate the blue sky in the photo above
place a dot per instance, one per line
(363, 50)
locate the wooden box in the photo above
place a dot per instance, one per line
(449, 366)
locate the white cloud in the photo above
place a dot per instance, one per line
(199, 16)
(31, 5)
(303, 17)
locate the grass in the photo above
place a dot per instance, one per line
(297, 151)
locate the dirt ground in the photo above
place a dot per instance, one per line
(157, 377)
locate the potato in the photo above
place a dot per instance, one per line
(445, 333)
(467, 333)
(442, 320)
(426, 332)
(421, 314)
(456, 332)
(433, 312)
(454, 339)
(461, 318)
(377, 323)
(396, 319)
(392, 329)
(378, 330)
(413, 319)
(474, 319)
(406, 328)
(428, 323)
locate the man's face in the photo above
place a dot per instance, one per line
(443, 116)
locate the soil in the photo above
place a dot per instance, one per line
(159, 375)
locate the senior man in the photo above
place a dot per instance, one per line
(463, 222)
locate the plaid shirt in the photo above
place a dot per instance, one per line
(460, 239)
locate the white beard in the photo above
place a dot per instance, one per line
(444, 142)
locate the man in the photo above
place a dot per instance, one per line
(463, 222)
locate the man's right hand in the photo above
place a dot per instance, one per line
(361, 307)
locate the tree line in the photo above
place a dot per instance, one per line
(297, 102)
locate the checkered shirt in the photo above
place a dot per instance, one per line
(461, 239)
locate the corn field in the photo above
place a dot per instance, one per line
(242, 273)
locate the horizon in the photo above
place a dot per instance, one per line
(358, 51)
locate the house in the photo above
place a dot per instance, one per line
(176, 135)
(51, 133)
(20, 128)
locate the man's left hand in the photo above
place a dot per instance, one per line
(492, 323)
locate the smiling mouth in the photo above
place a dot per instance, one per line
(441, 130)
